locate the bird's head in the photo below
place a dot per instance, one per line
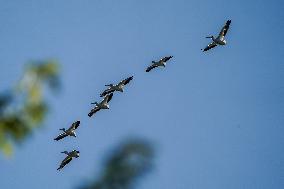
(78, 154)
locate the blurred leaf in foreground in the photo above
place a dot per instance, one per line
(25, 108)
(130, 161)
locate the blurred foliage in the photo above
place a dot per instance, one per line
(24, 108)
(130, 161)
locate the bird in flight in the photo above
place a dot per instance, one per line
(69, 132)
(220, 40)
(161, 62)
(69, 157)
(118, 87)
(102, 105)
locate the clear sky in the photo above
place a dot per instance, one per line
(216, 118)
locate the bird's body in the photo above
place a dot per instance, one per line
(69, 157)
(102, 105)
(220, 40)
(160, 63)
(69, 132)
(118, 87)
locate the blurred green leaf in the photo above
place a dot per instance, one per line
(20, 115)
(130, 161)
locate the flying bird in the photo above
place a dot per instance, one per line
(102, 105)
(118, 87)
(161, 62)
(69, 157)
(220, 40)
(69, 132)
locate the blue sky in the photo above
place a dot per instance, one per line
(216, 118)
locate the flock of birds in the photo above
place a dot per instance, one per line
(107, 94)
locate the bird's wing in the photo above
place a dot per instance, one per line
(93, 111)
(107, 91)
(210, 46)
(65, 162)
(165, 59)
(151, 67)
(108, 97)
(225, 29)
(61, 136)
(126, 81)
(74, 125)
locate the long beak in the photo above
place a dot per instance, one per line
(209, 37)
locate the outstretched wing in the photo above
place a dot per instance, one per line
(64, 162)
(107, 91)
(151, 67)
(165, 59)
(225, 29)
(61, 136)
(210, 46)
(93, 111)
(126, 81)
(75, 125)
(108, 97)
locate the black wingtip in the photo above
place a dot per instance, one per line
(90, 114)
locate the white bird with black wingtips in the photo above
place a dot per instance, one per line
(220, 40)
(70, 156)
(160, 63)
(119, 87)
(69, 132)
(102, 105)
